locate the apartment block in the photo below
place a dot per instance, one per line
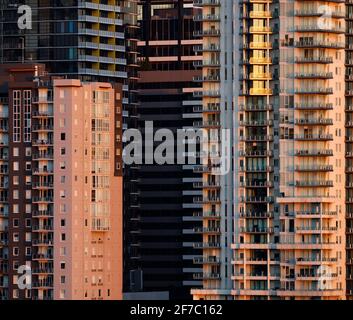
(61, 210)
(287, 225)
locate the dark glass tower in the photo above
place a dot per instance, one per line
(165, 223)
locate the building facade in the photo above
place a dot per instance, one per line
(165, 223)
(288, 107)
(62, 197)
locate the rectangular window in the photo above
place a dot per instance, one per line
(27, 108)
(16, 116)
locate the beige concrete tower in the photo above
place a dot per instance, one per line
(87, 191)
(288, 219)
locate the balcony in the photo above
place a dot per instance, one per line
(314, 168)
(256, 138)
(208, 17)
(209, 3)
(317, 12)
(42, 142)
(256, 108)
(314, 153)
(313, 106)
(207, 276)
(256, 230)
(313, 137)
(207, 33)
(256, 123)
(319, 44)
(313, 184)
(260, 76)
(260, 29)
(42, 113)
(317, 90)
(207, 245)
(316, 28)
(42, 171)
(207, 260)
(314, 122)
(208, 230)
(42, 127)
(260, 45)
(314, 59)
(260, 91)
(42, 228)
(258, 169)
(255, 215)
(260, 14)
(42, 199)
(312, 75)
(260, 60)
(249, 199)
(256, 184)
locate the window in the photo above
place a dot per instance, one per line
(15, 194)
(16, 223)
(15, 152)
(62, 165)
(28, 223)
(63, 237)
(15, 237)
(15, 251)
(15, 180)
(28, 251)
(62, 151)
(28, 194)
(28, 166)
(62, 136)
(63, 207)
(62, 222)
(28, 180)
(16, 116)
(15, 294)
(62, 265)
(28, 152)
(16, 166)
(15, 208)
(27, 115)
